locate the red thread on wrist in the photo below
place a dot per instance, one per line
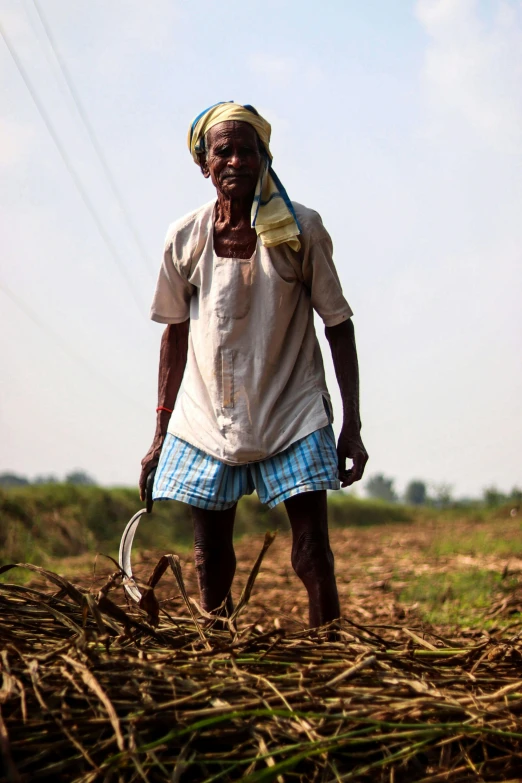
(161, 408)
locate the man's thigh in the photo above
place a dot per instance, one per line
(308, 512)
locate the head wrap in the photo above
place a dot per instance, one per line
(273, 215)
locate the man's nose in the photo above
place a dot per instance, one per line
(235, 160)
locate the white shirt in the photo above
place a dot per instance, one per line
(254, 380)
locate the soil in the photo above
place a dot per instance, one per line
(373, 566)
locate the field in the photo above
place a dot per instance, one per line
(424, 683)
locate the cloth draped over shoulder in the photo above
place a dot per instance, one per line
(273, 215)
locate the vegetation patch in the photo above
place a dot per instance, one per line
(40, 523)
(479, 539)
(460, 598)
(97, 691)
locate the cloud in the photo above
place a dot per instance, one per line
(280, 71)
(473, 69)
(15, 142)
(151, 30)
(16, 21)
(117, 38)
(275, 68)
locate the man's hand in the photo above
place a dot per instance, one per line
(173, 358)
(350, 446)
(149, 462)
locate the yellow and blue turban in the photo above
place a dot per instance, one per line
(273, 215)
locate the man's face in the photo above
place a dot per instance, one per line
(233, 159)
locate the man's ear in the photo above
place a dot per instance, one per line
(202, 160)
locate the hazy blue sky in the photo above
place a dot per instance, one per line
(400, 122)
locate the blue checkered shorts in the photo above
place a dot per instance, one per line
(188, 474)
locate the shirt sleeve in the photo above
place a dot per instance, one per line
(171, 303)
(321, 278)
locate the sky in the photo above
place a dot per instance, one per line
(400, 123)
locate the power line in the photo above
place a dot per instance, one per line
(36, 27)
(77, 181)
(64, 346)
(92, 136)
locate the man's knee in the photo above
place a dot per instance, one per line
(312, 556)
(209, 554)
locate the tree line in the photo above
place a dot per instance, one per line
(77, 477)
(377, 487)
(419, 493)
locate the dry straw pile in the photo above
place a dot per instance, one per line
(94, 692)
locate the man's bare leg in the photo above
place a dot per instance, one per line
(214, 556)
(312, 558)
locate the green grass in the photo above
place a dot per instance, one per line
(348, 511)
(40, 523)
(478, 541)
(459, 598)
(48, 523)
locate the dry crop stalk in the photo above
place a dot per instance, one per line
(125, 701)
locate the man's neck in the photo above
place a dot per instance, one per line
(232, 212)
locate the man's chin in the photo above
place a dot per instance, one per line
(237, 188)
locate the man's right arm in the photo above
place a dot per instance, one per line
(173, 358)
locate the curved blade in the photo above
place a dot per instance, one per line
(125, 554)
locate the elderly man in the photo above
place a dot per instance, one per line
(242, 400)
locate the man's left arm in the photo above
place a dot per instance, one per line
(349, 446)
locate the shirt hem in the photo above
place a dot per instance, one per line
(167, 319)
(313, 426)
(335, 320)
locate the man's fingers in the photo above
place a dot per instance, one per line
(359, 462)
(149, 486)
(142, 486)
(148, 464)
(347, 478)
(355, 473)
(344, 474)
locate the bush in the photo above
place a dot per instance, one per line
(38, 522)
(347, 511)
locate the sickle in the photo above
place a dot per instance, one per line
(124, 557)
